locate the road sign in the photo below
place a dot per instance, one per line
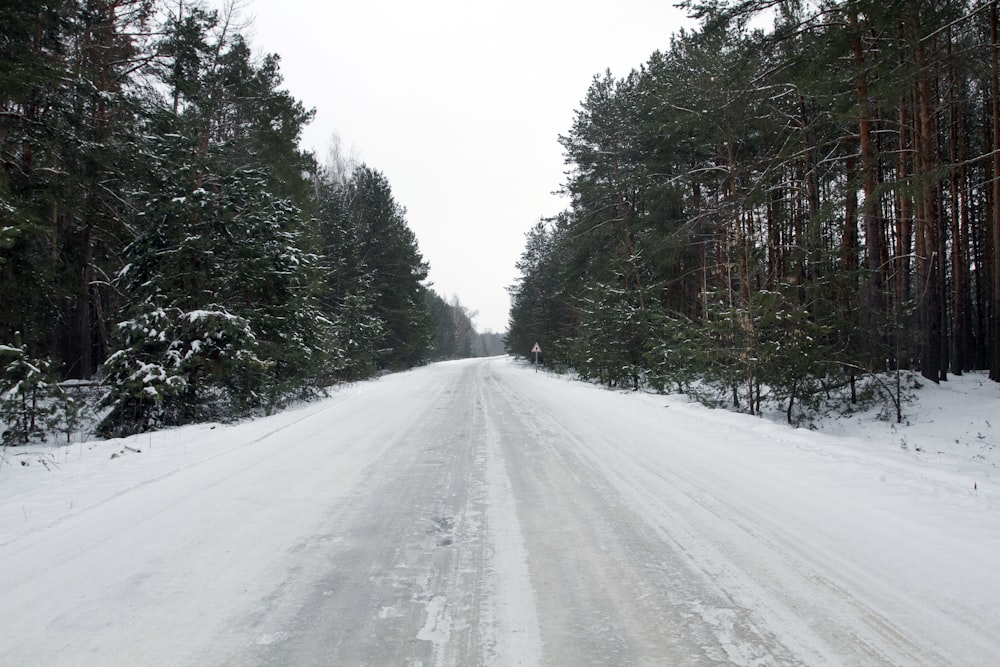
(537, 349)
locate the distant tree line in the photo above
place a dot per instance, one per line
(455, 335)
(162, 232)
(781, 213)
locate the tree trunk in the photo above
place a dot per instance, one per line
(929, 286)
(870, 210)
(960, 353)
(904, 212)
(995, 89)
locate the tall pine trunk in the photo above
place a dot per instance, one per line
(995, 265)
(961, 350)
(871, 220)
(929, 284)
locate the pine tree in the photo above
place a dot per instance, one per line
(31, 402)
(222, 318)
(388, 252)
(346, 295)
(750, 213)
(541, 310)
(222, 314)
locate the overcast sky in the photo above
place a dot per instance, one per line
(460, 105)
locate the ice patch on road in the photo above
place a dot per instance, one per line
(386, 613)
(437, 628)
(269, 638)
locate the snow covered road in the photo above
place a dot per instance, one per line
(479, 513)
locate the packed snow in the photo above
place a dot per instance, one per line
(478, 512)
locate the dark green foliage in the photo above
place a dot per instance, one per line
(358, 332)
(222, 319)
(541, 307)
(177, 367)
(612, 322)
(345, 294)
(31, 402)
(373, 288)
(765, 218)
(157, 215)
(65, 129)
(387, 251)
(454, 335)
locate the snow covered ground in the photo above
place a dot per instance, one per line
(480, 513)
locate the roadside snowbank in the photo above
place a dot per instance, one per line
(43, 484)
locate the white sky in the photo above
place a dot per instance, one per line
(460, 105)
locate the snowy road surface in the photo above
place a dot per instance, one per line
(479, 513)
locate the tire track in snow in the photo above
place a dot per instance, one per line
(616, 592)
(512, 634)
(787, 579)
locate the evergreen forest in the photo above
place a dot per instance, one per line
(164, 239)
(795, 202)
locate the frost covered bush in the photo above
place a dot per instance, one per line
(175, 367)
(32, 405)
(222, 319)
